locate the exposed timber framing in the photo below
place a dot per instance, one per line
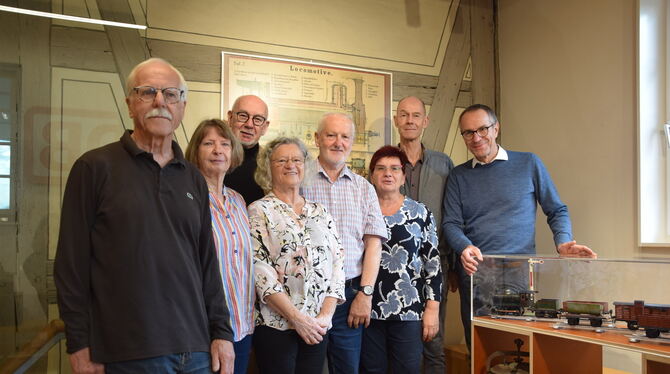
(449, 80)
(128, 47)
(482, 49)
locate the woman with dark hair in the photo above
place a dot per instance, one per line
(298, 264)
(216, 151)
(406, 297)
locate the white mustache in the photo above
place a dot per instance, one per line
(158, 112)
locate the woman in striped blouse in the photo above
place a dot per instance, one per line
(216, 151)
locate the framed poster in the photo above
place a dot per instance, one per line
(298, 93)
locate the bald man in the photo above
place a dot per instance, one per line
(248, 119)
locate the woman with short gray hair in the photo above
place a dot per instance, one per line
(298, 265)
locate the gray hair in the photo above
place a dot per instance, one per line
(130, 81)
(263, 174)
(347, 116)
(476, 107)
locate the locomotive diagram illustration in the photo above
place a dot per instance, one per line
(299, 93)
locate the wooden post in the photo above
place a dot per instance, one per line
(449, 81)
(128, 47)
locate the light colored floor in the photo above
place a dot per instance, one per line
(615, 371)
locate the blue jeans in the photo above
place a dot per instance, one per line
(242, 353)
(344, 343)
(179, 363)
(394, 344)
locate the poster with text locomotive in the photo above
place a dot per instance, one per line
(298, 93)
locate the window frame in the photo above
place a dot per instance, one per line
(12, 72)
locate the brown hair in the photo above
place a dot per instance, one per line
(236, 153)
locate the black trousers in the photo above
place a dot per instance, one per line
(284, 352)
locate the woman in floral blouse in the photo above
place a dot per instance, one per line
(406, 296)
(298, 265)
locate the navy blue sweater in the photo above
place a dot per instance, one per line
(493, 206)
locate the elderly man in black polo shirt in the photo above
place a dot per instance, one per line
(138, 282)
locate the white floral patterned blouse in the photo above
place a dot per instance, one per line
(299, 255)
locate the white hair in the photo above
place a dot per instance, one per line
(130, 81)
(346, 116)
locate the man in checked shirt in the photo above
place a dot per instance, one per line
(352, 202)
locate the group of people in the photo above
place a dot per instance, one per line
(181, 263)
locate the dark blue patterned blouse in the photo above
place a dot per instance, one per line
(409, 272)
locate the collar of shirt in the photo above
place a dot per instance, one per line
(251, 153)
(307, 209)
(346, 172)
(423, 148)
(132, 148)
(501, 155)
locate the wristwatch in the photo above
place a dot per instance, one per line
(367, 290)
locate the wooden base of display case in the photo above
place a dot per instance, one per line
(558, 350)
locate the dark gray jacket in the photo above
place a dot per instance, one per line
(432, 183)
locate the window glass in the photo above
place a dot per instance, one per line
(4, 193)
(5, 158)
(5, 108)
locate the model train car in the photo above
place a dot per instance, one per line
(547, 308)
(594, 311)
(515, 303)
(509, 302)
(654, 318)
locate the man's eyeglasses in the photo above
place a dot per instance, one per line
(243, 117)
(283, 161)
(171, 95)
(482, 132)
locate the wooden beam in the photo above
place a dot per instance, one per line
(196, 62)
(33, 172)
(464, 99)
(128, 47)
(84, 49)
(410, 84)
(482, 49)
(449, 81)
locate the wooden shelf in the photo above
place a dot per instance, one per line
(558, 350)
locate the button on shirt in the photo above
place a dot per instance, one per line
(230, 226)
(413, 175)
(352, 202)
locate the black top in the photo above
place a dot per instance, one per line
(242, 178)
(136, 270)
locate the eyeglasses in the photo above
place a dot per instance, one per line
(482, 132)
(243, 117)
(171, 95)
(393, 168)
(283, 161)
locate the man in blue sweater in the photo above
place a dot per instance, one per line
(490, 203)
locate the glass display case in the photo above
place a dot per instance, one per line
(571, 308)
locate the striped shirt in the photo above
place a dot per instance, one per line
(352, 202)
(230, 226)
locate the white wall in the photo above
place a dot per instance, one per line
(568, 94)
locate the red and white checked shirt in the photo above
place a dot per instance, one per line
(352, 202)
